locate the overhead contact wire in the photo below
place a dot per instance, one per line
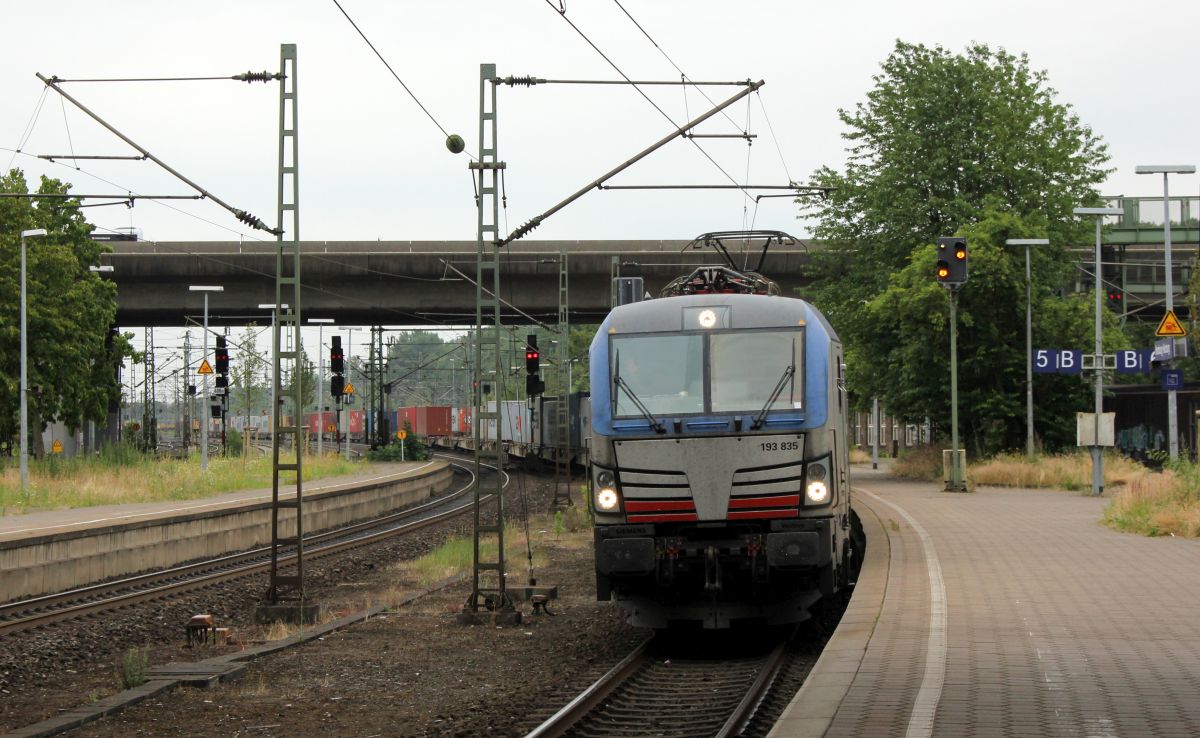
(642, 92)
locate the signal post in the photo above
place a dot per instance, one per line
(952, 275)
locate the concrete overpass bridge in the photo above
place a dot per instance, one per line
(427, 282)
(397, 282)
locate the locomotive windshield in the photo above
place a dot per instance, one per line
(669, 374)
(666, 373)
(746, 367)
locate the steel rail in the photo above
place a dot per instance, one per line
(193, 576)
(591, 698)
(745, 710)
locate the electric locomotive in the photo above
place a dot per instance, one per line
(718, 470)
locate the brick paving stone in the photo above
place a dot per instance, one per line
(1056, 625)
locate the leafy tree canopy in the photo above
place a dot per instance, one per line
(971, 144)
(72, 359)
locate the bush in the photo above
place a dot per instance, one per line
(922, 462)
(134, 665)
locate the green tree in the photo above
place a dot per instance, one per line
(975, 144)
(72, 357)
(249, 392)
(908, 326)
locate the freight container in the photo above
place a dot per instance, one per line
(461, 421)
(356, 421)
(405, 417)
(514, 422)
(547, 419)
(431, 420)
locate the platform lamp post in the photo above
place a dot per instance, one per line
(1165, 170)
(320, 323)
(25, 368)
(207, 413)
(1098, 358)
(1027, 242)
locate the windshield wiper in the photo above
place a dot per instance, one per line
(788, 372)
(657, 426)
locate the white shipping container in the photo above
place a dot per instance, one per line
(514, 422)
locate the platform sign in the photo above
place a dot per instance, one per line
(1170, 327)
(1134, 361)
(205, 368)
(1057, 361)
(1172, 379)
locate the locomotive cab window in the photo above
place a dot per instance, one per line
(747, 367)
(664, 373)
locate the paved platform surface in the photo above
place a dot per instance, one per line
(1007, 612)
(54, 521)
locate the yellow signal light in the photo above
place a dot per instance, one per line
(960, 253)
(943, 272)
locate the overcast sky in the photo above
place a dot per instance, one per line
(374, 166)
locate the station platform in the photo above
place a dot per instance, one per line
(58, 550)
(1006, 612)
(53, 521)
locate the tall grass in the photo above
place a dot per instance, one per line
(919, 462)
(455, 555)
(1164, 503)
(120, 475)
(1072, 471)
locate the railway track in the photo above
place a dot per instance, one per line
(37, 612)
(649, 694)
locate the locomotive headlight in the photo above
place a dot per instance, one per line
(605, 479)
(816, 471)
(706, 318)
(606, 499)
(816, 492)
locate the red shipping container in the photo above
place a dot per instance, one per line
(356, 421)
(464, 420)
(406, 416)
(432, 421)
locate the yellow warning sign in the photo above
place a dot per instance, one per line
(1170, 327)
(401, 434)
(331, 427)
(57, 447)
(204, 367)
(348, 389)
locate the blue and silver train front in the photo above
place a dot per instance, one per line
(718, 476)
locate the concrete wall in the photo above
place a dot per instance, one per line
(43, 564)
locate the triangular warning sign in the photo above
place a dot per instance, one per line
(1170, 326)
(348, 389)
(204, 367)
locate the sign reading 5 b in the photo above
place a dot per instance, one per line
(1057, 361)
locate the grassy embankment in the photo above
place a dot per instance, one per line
(123, 475)
(569, 528)
(1141, 500)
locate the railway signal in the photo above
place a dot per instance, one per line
(337, 359)
(337, 386)
(533, 360)
(952, 262)
(222, 356)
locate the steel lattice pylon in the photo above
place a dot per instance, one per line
(488, 590)
(562, 408)
(287, 354)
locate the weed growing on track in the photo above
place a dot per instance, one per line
(123, 475)
(135, 663)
